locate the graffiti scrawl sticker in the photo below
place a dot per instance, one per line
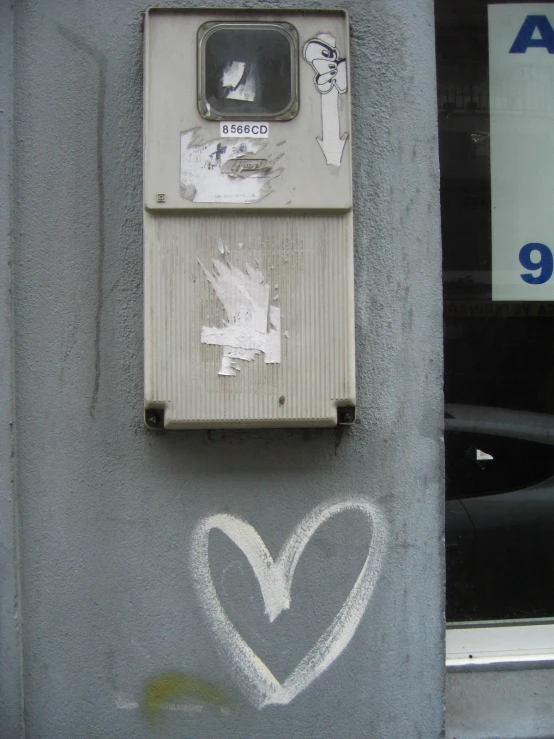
(329, 68)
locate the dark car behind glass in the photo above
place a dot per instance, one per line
(499, 513)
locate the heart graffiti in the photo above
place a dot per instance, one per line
(257, 682)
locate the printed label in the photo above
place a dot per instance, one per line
(244, 130)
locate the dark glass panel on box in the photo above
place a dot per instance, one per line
(249, 71)
(499, 353)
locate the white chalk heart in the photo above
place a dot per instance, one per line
(275, 578)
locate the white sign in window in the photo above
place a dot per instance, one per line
(521, 78)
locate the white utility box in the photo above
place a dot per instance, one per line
(248, 264)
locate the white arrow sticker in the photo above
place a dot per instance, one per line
(331, 142)
(331, 81)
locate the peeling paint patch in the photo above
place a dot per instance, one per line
(125, 705)
(252, 324)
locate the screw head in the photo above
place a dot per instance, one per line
(154, 418)
(346, 414)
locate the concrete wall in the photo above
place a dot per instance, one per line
(504, 703)
(10, 644)
(114, 641)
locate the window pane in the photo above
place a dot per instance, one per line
(499, 353)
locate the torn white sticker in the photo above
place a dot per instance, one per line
(239, 82)
(246, 90)
(232, 74)
(220, 171)
(252, 324)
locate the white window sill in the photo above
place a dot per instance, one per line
(524, 644)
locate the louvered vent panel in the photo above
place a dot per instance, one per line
(306, 262)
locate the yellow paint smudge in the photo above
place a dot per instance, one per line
(165, 689)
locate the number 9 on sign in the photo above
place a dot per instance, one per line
(536, 257)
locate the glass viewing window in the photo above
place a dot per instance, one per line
(248, 71)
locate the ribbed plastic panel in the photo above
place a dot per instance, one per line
(306, 260)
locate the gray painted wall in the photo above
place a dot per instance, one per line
(111, 623)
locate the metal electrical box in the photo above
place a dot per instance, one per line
(249, 305)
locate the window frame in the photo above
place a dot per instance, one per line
(286, 29)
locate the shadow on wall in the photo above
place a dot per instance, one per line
(248, 450)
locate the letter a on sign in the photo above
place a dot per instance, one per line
(525, 39)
